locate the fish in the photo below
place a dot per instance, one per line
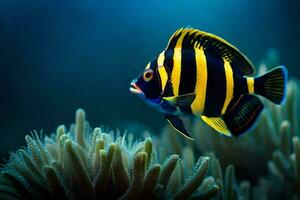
(201, 75)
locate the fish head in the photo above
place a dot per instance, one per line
(148, 85)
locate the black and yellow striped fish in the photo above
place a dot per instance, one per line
(200, 74)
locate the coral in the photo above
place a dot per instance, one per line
(261, 164)
(267, 157)
(90, 164)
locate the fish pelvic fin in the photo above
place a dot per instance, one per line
(178, 125)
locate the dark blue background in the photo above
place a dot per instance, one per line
(57, 56)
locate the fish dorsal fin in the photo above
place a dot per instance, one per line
(189, 38)
(242, 113)
(217, 123)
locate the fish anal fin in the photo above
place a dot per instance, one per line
(191, 38)
(182, 100)
(178, 125)
(242, 113)
(217, 123)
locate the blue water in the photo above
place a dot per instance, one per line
(57, 56)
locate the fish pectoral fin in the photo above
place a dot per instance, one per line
(178, 125)
(182, 100)
(242, 113)
(217, 123)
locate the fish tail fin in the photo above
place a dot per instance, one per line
(272, 85)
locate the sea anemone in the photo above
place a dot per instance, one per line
(90, 164)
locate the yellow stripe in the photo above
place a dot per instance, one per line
(175, 79)
(163, 77)
(250, 84)
(161, 70)
(201, 82)
(161, 59)
(148, 66)
(229, 85)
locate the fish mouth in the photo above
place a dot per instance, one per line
(134, 89)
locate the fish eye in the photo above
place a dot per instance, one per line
(148, 75)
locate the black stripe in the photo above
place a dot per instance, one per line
(256, 85)
(168, 92)
(188, 71)
(168, 63)
(173, 41)
(188, 68)
(188, 41)
(216, 85)
(240, 83)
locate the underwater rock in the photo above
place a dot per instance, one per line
(90, 164)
